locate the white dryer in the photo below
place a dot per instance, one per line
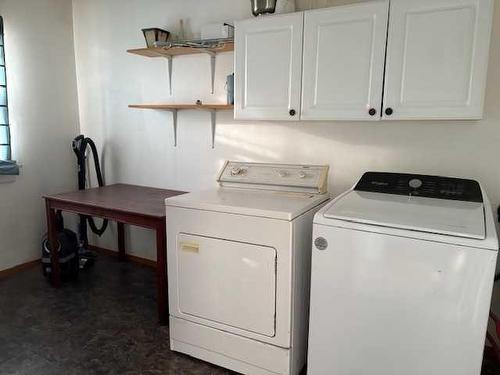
(239, 267)
(402, 275)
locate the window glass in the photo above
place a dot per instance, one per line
(4, 112)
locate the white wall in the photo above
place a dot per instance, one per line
(138, 144)
(44, 117)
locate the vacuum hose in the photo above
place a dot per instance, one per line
(79, 145)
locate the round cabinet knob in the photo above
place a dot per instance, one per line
(282, 173)
(415, 183)
(372, 112)
(389, 111)
(292, 112)
(302, 175)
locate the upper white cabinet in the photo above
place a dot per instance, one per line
(344, 52)
(268, 67)
(390, 60)
(437, 59)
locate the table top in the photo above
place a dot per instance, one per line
(132, 199)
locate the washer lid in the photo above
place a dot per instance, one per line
(271, 204)
(440, 216)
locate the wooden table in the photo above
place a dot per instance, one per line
(126, 204)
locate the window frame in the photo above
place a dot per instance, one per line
(6, 106)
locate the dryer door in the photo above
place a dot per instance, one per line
(227, 282)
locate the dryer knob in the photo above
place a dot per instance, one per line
(415, 183)
(282, 173)
(236, 171)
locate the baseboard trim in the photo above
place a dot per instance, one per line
(132, 258)
(19, 268)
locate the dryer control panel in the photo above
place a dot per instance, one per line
(283, 177)
(421, 185)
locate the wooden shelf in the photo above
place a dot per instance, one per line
(174, 108)
(170, 107)
(178, 51)
(169, 53)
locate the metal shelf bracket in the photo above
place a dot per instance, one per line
(169, 62)
(213, 117)
(174, 124)
(212, 68)
(212, 108)
(214, 124)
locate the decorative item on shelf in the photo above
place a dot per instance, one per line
(155, 35)
(230, 88)
(217, 31)
(199, 102)
(263, 7)
(198, 43)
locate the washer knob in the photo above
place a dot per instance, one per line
(415, 183)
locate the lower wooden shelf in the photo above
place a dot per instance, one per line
(170, 107)
(212, 108)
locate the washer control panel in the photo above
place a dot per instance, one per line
(306, 178)
(421, 185)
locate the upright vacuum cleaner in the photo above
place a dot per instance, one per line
(80, 145)
(67, 247)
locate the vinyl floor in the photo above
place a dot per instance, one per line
(105, 323)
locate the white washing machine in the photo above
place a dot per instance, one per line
(239, 267)
(402, 275)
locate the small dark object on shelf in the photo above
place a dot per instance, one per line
(154, 34)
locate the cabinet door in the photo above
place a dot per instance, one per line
(344, 53)
(437, 59)
(268, 63)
